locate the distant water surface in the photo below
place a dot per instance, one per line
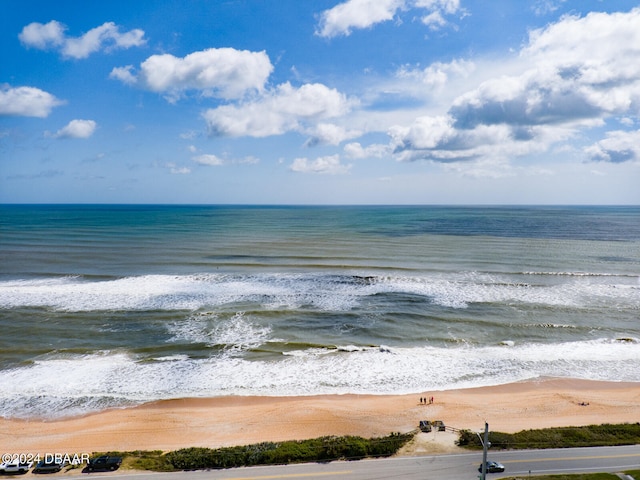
(108, 306)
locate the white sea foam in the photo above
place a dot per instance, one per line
(59, 385)
(290, 291)
(234, 334)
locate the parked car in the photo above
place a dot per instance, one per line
(104, 462)
(439, 425)
(48, 466)
(425, 425)
(492, 467)
(15, 467)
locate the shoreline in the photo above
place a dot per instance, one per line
(227, 421)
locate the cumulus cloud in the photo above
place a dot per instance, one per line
(342, 18)
(43, 36)
(329, 165)
(359, 14)
(438, 74)
(51, 36)
(124, 74)
(618, 147)
(218, 72)
(376, 150)
(279, 111)
(583, 68)
(576, 74)
(436, 138)
(329, 134)
(26, 101)
(77, 129)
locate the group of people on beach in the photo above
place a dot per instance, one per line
(426, 401)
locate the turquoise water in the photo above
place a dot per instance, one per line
(104, 306)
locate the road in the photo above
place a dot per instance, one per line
(440, 467)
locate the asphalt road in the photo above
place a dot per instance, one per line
(437, 467)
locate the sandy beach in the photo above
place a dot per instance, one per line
(215, 422)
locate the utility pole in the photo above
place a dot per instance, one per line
(485, 447)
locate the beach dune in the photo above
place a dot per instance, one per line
(216, 422)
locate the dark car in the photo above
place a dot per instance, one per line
(104, 462)
(492, 467)
(50, 466)
(425, 426)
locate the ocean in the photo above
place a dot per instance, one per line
(107, 306)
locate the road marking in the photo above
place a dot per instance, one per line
(294, 475)
(561, 459)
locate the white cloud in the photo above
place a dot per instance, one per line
(189, 135)
(376, 150)
(105, 37)
(359, 14)
(434, 21)
(279, 111)
(248, 160)
(215, 161)
(572, 75)
(43, 36)
(543, 7)
(434, 78)
(340, 19)
(483, 168)
(329, 165)
(618, 147)
(26, 101)
(218, 72)
(177, 170)
(329, 134)
(208, 159)
(77, 129)
(124, 75)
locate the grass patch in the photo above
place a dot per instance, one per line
(565, 437)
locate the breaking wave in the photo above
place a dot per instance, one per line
(328, 292)
(63, 384)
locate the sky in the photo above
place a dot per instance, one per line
(320, 102)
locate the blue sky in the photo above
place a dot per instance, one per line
(320, 102)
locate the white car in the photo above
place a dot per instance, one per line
(15, 467)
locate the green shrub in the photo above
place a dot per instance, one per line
(469, 439)
(564, 437)
(291, 452)
(316, 450)
(387, 446)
